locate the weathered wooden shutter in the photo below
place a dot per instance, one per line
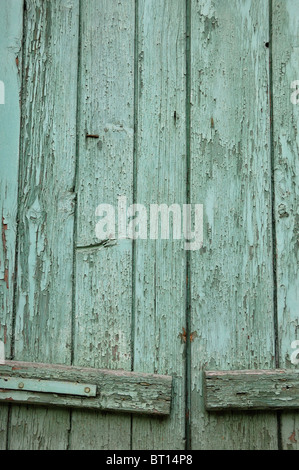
(161, 101)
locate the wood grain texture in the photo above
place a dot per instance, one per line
(46, 207)
(128, 309)
(110, 390)
(11, 20)
(103, 303)
(160, 265)
(252, 390)
(232, 276)
(286, 183)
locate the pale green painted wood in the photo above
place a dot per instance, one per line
(160, 266)
(286, 165)
(10, 61)
(103, 306)
(107, 389)
(45, 264)
(232, 276)
(252, 390)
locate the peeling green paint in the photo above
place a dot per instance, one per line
(163, 101)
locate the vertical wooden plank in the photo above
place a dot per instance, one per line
(286, 178)
(231, 277)
(46, 212)
(103, 307)
(160, 265)
(11, 21)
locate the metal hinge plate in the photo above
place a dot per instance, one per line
(48, 386)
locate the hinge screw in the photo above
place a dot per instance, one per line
(87, 390)
(21, 385)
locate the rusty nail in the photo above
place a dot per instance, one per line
(92, 136)
(21, 385)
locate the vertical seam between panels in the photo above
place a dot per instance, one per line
(14, 308)
(75, 190)
(273, 200)
(188, 254)
(135, 149)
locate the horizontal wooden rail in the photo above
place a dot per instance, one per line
(252, 390)
(55, 385)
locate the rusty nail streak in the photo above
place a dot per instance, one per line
(6, 278)
(183, 336)
(292, 438)
(193, 336)
(212, 123)
(6, 273)
(92, 136)
(4, 228)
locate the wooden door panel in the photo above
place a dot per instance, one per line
(160, 178)
(232, 305)
(103, 302)
(44, 295)
(10, 66)
(156, 102)
(286, 171)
